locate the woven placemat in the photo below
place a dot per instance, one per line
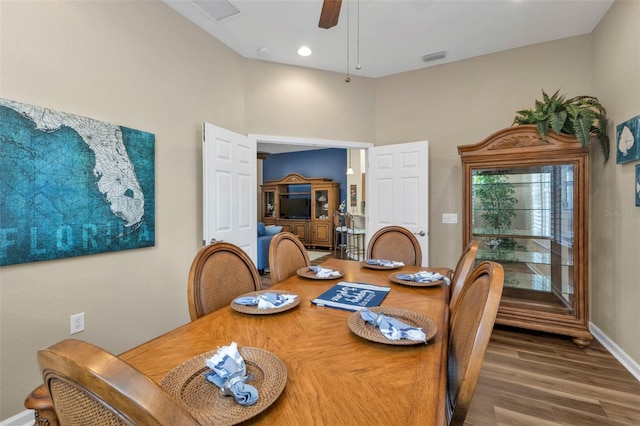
(204, 400)
(364, 264)
(253, 310)
(393, 277)
(370, 332)
(306, 273)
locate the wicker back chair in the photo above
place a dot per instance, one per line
(462, 271)
(471, 328)
(287, 254)
(90, 386)
(219, 273)
(395, 243)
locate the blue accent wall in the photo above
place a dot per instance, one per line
(325, 163)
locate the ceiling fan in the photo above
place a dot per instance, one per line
(330, 13)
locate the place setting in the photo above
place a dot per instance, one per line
(381, 264)
(265, 302)
(392, 326)
(319, 273)
(228, 385)
(419, 279)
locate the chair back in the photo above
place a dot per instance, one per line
(472, 324)
(337, 219)
(339, 234)
(90, 386)
(219, 273)
(287, 254)
(395, 243)
(462, 271)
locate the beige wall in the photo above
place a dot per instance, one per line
(462, 103)
(615, 219)
(300, 102)
(141, 65)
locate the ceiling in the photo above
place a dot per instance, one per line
(394, 34)
(387, 37)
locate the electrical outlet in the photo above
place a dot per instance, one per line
(77, 323)
(449, 218)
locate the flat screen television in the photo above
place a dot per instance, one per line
(295, 208)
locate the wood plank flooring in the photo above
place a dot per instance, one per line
(538, 379)
(531, 378)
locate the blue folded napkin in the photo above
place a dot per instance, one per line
(423, 277)
(266, 300)
(392, 328)
(383, 262)
(324, 272)
(229, 374)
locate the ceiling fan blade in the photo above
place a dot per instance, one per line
(330, 13)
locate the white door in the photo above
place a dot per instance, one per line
(398, 190)
(229, 186)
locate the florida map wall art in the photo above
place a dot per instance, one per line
(71, 185)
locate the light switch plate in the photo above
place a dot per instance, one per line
(449, 218)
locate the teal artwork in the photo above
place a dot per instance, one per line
(628, 140)
(71, 185)
(637, 185)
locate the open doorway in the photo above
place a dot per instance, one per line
(340, 161)
(270, 145)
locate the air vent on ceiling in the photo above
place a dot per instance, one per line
(434, 56)
(219, 9)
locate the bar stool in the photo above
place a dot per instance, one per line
(339, 234)
(355, 238)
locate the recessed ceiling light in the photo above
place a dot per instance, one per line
(304, 51)
(264, 52)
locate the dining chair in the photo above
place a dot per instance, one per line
(472, 324)
(219, 273)
(462, 271)
(287, 254)
(339, 234)
(395, 243)
(90, 386)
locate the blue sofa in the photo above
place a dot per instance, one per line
(265, 234)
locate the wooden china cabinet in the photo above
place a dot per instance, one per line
(525, 200)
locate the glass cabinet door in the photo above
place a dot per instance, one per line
(523, 218)
(268, 204)
(321, 204)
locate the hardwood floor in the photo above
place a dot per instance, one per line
(539, 379)
(531, 378)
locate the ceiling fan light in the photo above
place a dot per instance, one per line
(304, 51)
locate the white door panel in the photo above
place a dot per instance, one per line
(398, 190)
(229, 186)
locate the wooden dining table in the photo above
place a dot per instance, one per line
(334, 377)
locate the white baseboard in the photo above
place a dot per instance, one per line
(615, 350)
(25, 418)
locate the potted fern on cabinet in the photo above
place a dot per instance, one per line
(581, 116)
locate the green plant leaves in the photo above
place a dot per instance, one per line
(557, 120)
(580, 116)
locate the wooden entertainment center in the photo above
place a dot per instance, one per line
(302, 206)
